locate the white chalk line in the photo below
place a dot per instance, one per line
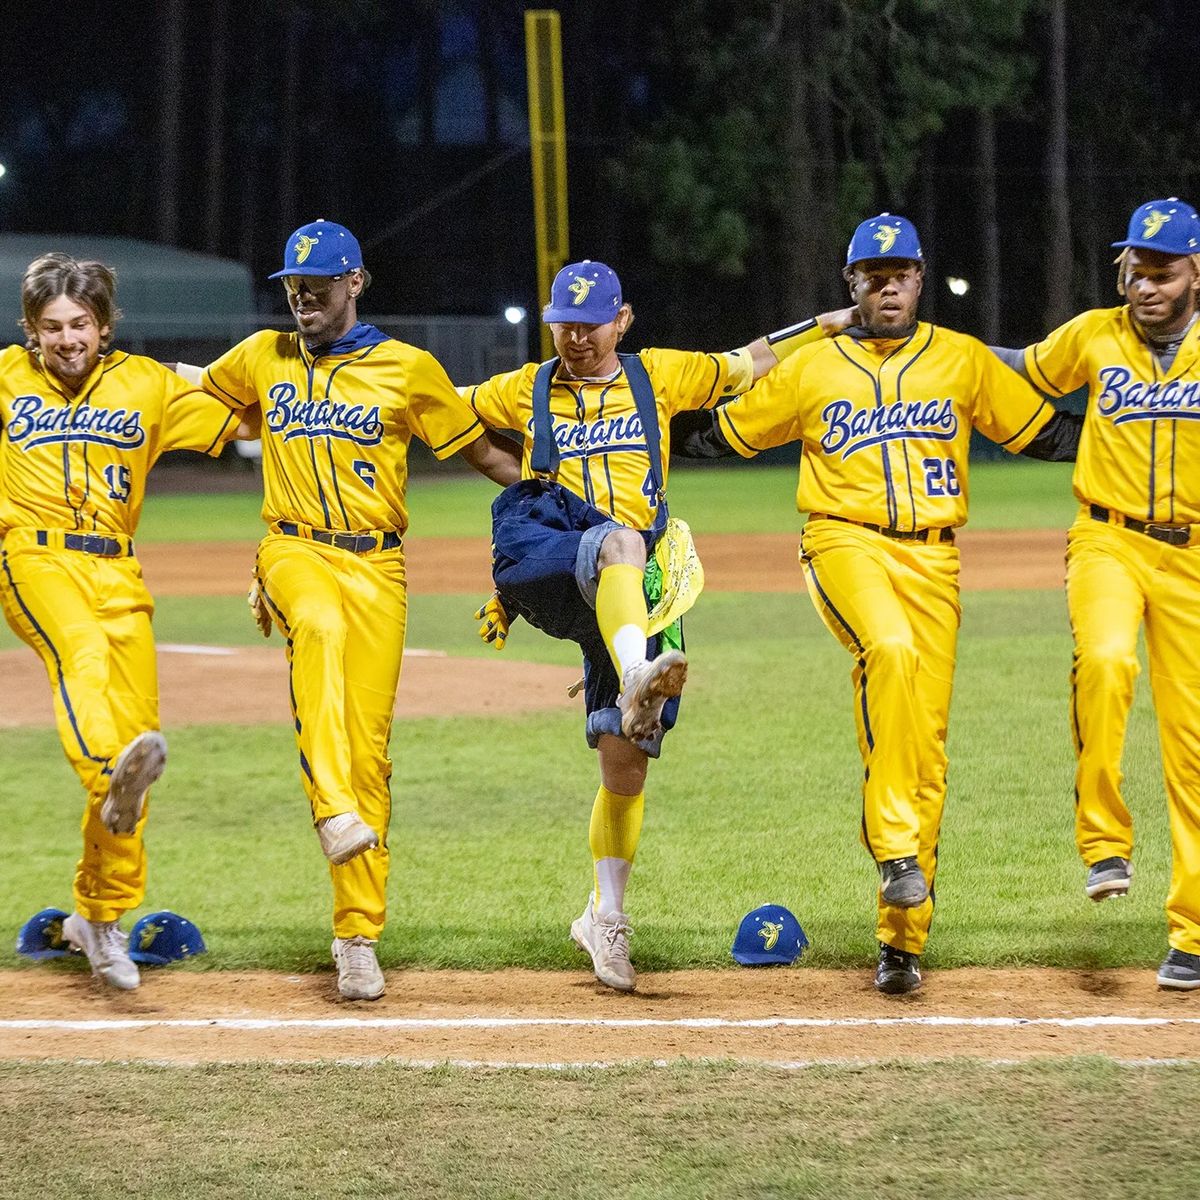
(480, 1064)
(419, 1023)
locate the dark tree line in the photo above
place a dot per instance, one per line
(719, 154)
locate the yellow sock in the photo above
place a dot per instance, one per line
(621, 614)
(613, 836)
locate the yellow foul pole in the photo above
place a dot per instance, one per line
(548, 151)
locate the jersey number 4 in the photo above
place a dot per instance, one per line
(941, 477)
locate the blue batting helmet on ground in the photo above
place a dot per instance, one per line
(42, 936)
(164, 937)
(769, 934)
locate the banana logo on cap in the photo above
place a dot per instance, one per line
(769, 932)
(1153, 221)
(304, 247)
(886, 236)
(580, 288)
(146, 940)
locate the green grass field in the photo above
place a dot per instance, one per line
(760, 784)
(756, 799)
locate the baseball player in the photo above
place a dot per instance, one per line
(340, 401)
(570, 543)
(884, 413)
(82, 425)
(1134, 552)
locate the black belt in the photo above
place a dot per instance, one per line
(356, 543)
(89, 543)
(928, 536)
(1173, 535)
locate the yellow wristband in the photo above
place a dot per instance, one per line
(787, 341)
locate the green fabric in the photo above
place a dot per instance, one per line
(652, 584)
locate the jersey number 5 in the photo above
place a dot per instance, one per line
(941, 477)
(365, 471)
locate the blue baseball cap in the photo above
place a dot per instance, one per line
(320, 248)
(587, 293)
(1169, 226)
(885, 236)
(42, 936)
(769, 934)
(164, 937)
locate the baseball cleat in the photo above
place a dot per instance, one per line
(1109, 877)
(345, 836)
(902, 884)
(647, 686)
(107, 949)
(359, 976)
(606, 939)
(1179, 971)
(898, 973)
(139, 765)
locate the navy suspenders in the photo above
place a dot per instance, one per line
(543, 458)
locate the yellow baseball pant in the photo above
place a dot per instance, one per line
(344, 617)
(894, 605)
(1116, 579)
(88, 619)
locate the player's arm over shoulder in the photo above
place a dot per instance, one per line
(232, 378)
(1059, 363)
(497, 400)
(192, 418)
(767, 415)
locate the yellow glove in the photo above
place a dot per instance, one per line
(258, 609)
(495, 622)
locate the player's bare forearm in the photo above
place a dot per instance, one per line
(496, 456)
(767, 351)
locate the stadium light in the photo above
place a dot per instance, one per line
(514, 314)
(3, 170)
(960, 287)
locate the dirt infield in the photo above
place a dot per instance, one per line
(764, 562)
(789, 1017)
(195, 686)
(194, 680)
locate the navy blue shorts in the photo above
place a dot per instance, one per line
(545, 544)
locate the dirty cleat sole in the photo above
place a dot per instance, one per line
(641, 702)
(138, 766)
(345, 836)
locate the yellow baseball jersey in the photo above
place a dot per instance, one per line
(336, 428)
(80, 462)
(602, 447)
(1140, 449)
(886, 424)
